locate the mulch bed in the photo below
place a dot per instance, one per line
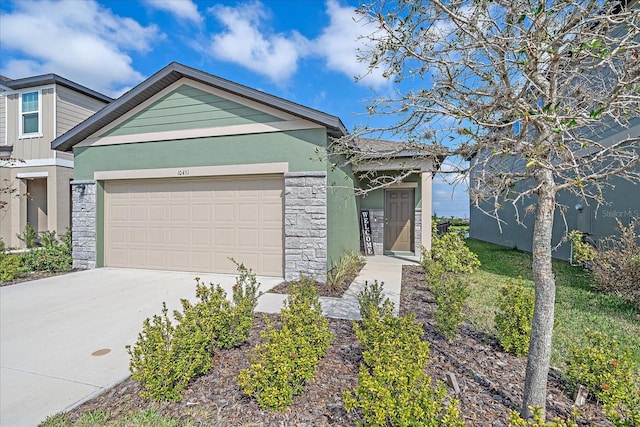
(490, 380)
(324, 289)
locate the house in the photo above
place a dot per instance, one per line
(621, 203)
(188, 169)
(33, 112)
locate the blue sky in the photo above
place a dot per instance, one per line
(301, 50)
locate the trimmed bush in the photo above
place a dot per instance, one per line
(163, 363)
(288, 358)
(53, 256)
(515, 420)
(10, 267)
(371, 302)
(610, 374)
(450, 294)
(393, 388)
(514, 316)
(166, 357)
(450, 251)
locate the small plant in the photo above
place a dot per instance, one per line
(450, 294)
(371, 302)
(515, 420)
(450, 251)
(393, 388)
(288, 358)
(10, 267)
(347, 267)
(53, 256)
(163, 364)
(581, 252)
(29, 237)
(2, 246)
(514, 316)
(610, 374)
(48, 239)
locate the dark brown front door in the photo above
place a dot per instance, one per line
(398, 221)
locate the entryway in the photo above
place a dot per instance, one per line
(399, 221)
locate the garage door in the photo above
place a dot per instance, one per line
(195, 224)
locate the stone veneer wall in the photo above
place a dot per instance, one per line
(83, 223)
(305, 225)
(377, 230)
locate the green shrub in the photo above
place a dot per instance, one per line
(10, 267)
(53, 256)
(610, 374)
(2, 246)
(450, 251)
(393, 388)
(515, 420)
(514, 316)
(288, 358)
(581, 252)
(371, 302)
(163, 363)
(616, 265)
(29, 237)
(166, 357)
(347, 267)
(450, 294)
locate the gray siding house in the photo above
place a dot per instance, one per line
(622, 203)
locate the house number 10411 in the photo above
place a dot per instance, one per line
(183, 172)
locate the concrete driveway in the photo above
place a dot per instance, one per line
(62, 339)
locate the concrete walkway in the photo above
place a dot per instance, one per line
(62, 339)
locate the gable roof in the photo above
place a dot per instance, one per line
(169, 75)
(49, 79)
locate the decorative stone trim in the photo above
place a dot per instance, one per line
(377, 230)
(83, 223)
(305, 225)
(417, 232)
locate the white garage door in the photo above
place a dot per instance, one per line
(195, 224)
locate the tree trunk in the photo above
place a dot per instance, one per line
(535, 385)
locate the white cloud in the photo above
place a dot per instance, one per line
(340, 42)
(183, 9)
(79, 40)
(246, 42)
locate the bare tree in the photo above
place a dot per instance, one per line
(528, 89)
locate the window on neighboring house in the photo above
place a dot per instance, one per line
(30, 113)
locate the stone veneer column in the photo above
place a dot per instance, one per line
(83, 223)
(305, 225)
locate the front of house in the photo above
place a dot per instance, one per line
(188, 170)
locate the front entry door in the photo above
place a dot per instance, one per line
(398, 221)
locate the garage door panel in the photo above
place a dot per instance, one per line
(195, 224)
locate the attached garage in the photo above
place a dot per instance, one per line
(188, 169)
(195, 224)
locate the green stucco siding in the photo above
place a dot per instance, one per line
(343, 228)
(189, 108)
(302, 149)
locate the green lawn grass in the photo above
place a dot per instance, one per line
(578, 306)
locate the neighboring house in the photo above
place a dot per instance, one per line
(33, 112)
(188, 169)
(622, 203)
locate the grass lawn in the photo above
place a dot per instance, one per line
(578, 306)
